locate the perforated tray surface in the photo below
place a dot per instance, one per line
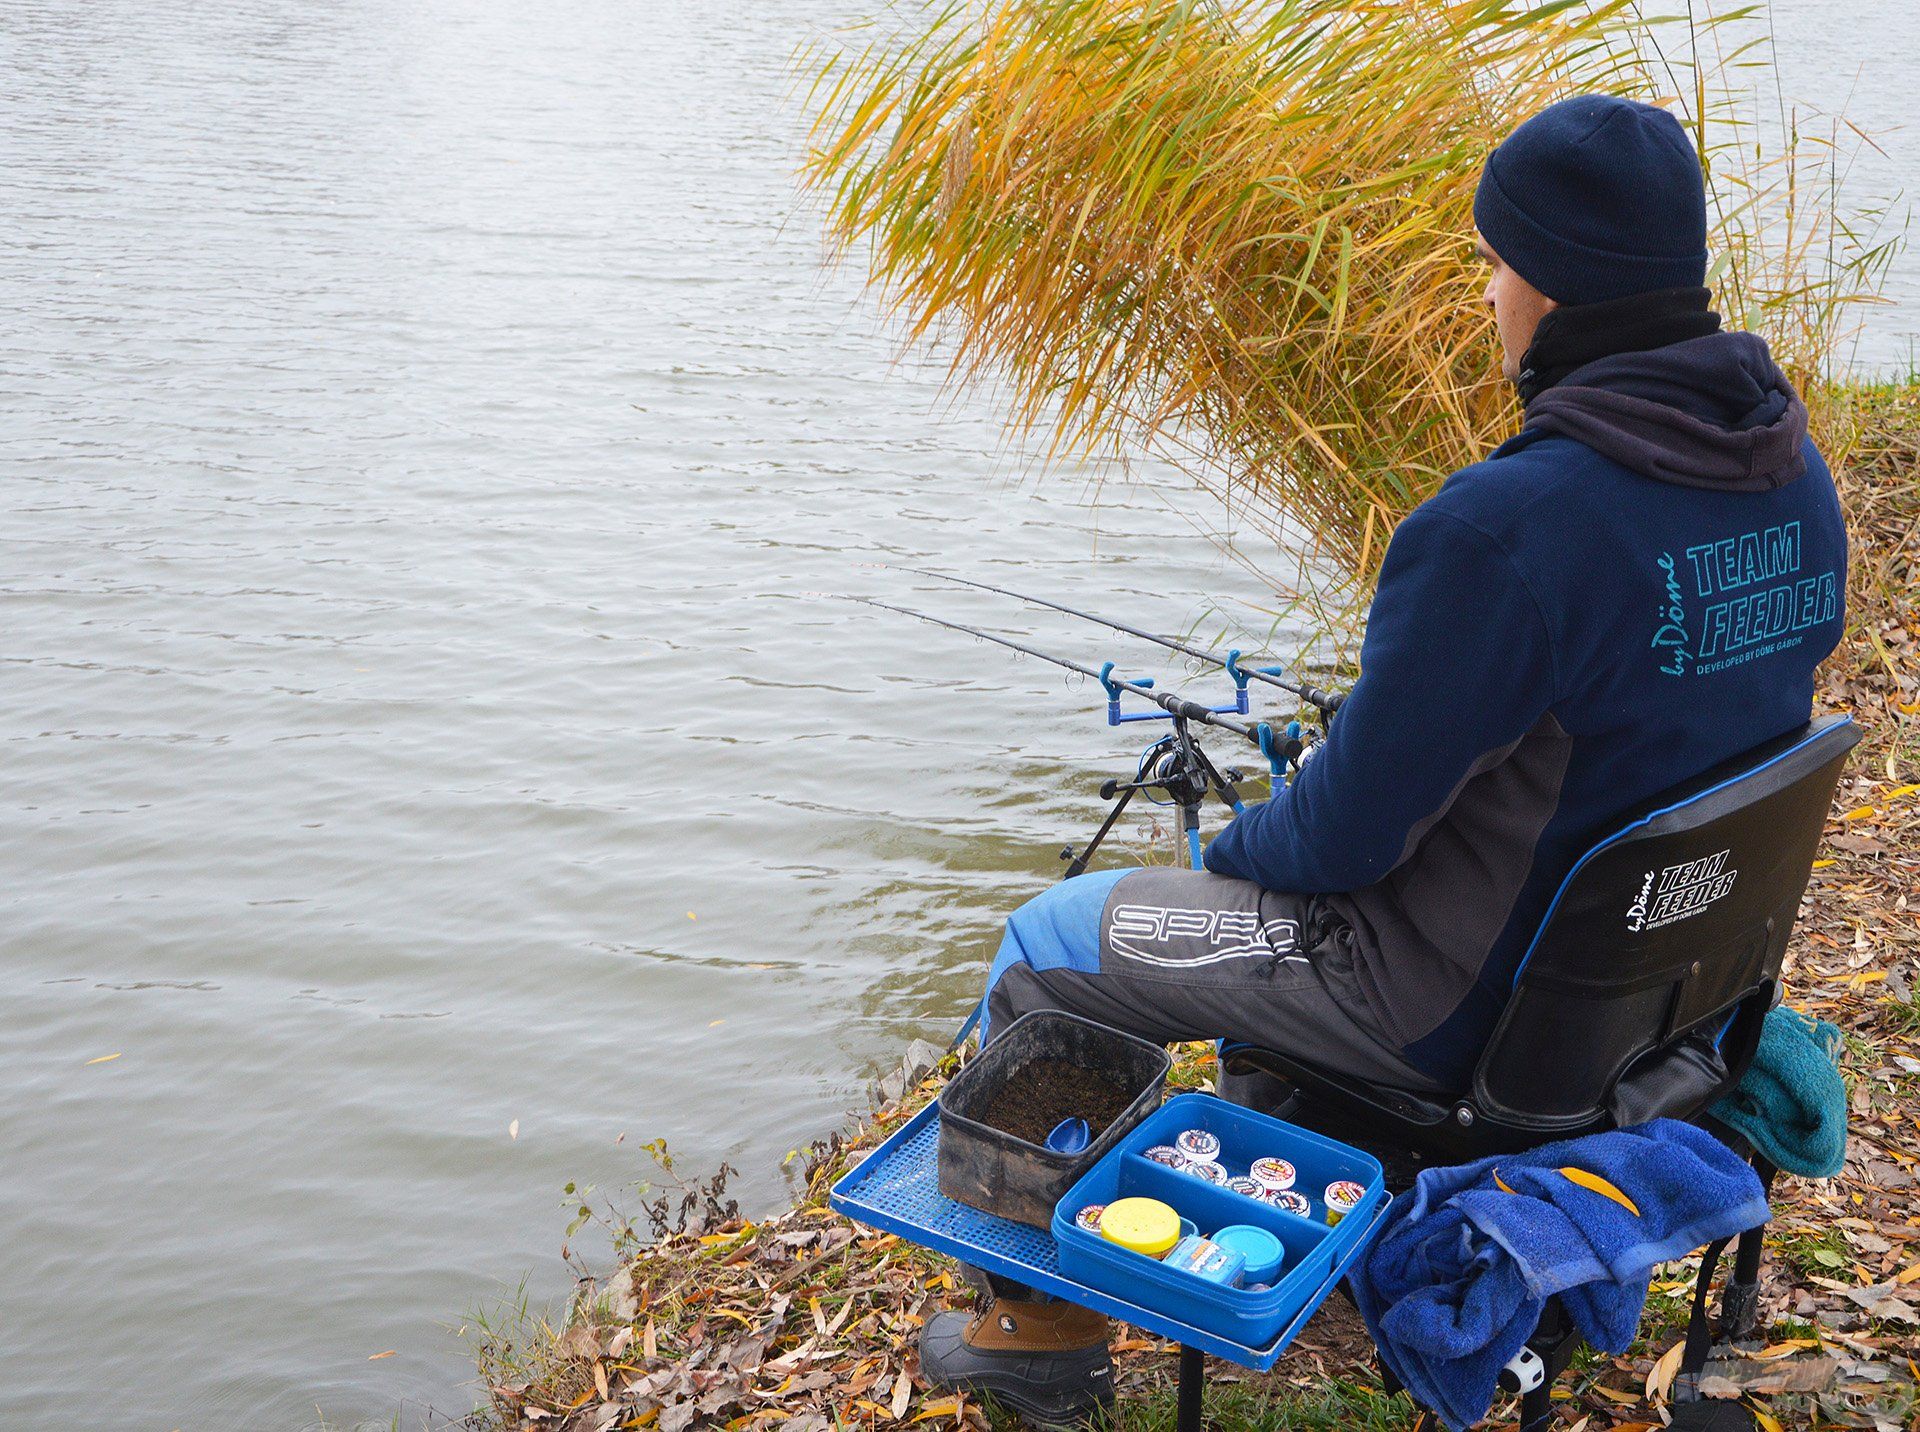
(896, 1188)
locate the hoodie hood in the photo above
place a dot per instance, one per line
(1714, 411)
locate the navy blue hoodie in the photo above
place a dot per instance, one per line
(1637, 586)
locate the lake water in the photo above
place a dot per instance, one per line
(430, 767)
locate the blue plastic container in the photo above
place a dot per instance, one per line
(1262, 1252)
(1311, 1247)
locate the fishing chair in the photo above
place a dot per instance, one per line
(1641, 996)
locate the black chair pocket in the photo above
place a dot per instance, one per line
(1675, 1082)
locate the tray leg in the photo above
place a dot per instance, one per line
(1193, 1381)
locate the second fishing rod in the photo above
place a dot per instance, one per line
(1327, 702)
(1174, 763)
(1260, 733)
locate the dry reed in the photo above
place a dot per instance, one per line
(1242, 238)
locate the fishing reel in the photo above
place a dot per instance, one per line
(1176, 767)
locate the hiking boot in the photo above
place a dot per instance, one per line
(1047, 1361)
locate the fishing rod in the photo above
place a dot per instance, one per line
(1174, 763)
(1327, 702)
(1260, 733)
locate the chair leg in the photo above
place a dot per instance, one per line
(1740, 1299)
(1536, 1408)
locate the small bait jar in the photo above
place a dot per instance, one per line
(1262, 1252)
(1342, 1197)
(1144, 1225)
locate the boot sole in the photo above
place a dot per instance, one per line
(1046, 1417)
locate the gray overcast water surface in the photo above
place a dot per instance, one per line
(425, 432)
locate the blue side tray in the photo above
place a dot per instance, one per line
(896, 1188)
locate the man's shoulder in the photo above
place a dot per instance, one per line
(1511, 486)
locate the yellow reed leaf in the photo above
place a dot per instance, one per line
(1602, 1187)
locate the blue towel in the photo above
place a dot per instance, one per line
(1791, 1104)
(1455, 1281)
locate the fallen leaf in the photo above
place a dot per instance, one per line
(513, 1129)
(377, 1356)
(104, 1059)
(1856, 844)
(1660, 1375)
(1599, 1185)
(1781, 1349)
(902, 1394)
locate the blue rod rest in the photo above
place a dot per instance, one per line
(1275, 761)
(1116, 718)
(1240, 679)
(1193, 850)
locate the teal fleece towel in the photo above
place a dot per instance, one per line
(1792, 1104)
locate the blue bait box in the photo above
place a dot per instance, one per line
(1311, 1249)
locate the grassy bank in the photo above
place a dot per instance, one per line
(798, 1320)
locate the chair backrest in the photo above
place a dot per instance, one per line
(1644, 989)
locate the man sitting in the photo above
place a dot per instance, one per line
(1635, 587)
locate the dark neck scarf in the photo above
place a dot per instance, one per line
(1570, 338)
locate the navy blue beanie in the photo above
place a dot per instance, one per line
(1596, 198)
